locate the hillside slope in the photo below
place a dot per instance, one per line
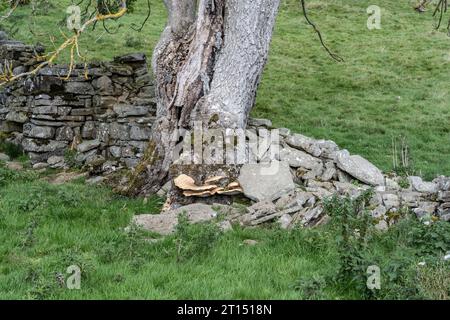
(392, 85)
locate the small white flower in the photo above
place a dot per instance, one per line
(427, 223)
(447, 257)
(422, 263)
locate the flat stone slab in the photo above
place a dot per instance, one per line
(299, 159)
(359, 168)
(421, 186)
(266, 181)
(88, 145)
(165, 223)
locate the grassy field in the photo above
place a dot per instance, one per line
(392, 85)
(44, 229)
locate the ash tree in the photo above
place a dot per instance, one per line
(207, 67)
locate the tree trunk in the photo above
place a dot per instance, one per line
(207, 66)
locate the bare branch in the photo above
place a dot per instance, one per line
(312, 24)
(70, 42)
(13, 5)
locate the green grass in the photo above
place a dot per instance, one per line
(393, 83)
(49, 228)
(44, 229)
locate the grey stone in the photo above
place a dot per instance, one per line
(165, 189)
(262, 208)
(225, 226)
(266, 182)
(128, 152)
(379, 212)
(320, 193)
(329, 172)
(315, 173)
(392, 184)
(410, 198)
(140, 133)
(95, 180)
(285, 221)
(4, 157)
(86, 156)
(421, 186)
(116, 152)
(47, 123)
(250, 242)
(297, 158)
(284, 132)
(14, 165)
(444, 196)
(88, 145)
(391, 201)
(88, 131)
(132, 57)
(56, 162)
(312, 215)
(166, 223)
(104, 102)
(95, 161)
(64, 134)
(254, 122)
(119, 131)
(50, 110)
(349, 189)
(344, 176)
(446, 218)
(359, 168)
(123, 110)
(382, 225)
(443, 183)
(320, 184)
(295, 199)
(328, 148)
(425, 209)
(104, 85)
(40, 166)
(19, 117)
(79, 88)
(443, 209)
(307, 144)
(31, 145)
(163, 224)
(376, 199)
(131, 162)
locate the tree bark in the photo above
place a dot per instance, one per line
(207, 67)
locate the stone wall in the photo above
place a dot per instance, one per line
(102, 110)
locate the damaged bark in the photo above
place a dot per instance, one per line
(207, 67)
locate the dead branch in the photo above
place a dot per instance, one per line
(70, 42)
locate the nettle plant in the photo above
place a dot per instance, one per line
(354, 228)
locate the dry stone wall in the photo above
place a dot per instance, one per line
(309, 171)
(103, 110)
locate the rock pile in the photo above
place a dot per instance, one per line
(18, 57)
(308, 171)
(99, 111)
(104, 112)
